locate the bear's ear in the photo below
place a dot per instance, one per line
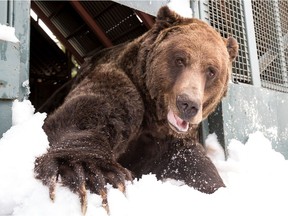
(167, 18)
(232, 47)
(166, 15)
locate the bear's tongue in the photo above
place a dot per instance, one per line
(177, 122)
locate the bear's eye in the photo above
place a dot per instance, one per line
(211, 73)
(180, 62)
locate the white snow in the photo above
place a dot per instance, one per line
(181, 7)
(256, 177)
(7, 33)
(26, 86)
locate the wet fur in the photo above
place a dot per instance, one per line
(115, 116)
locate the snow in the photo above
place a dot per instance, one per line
(181, 7)
(256, 177)
(7, 33)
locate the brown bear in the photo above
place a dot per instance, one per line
(134, 109)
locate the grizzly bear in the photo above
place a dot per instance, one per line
(134, 109)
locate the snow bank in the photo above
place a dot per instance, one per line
(7, 33)
(256, 177)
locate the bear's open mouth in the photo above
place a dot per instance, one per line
(176, 123)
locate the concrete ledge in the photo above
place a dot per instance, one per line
(247, 109)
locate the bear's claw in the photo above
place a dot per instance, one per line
(52, 186)
(103, 194)
(83, 198)
(80, 174)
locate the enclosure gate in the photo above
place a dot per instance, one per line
(258, 98)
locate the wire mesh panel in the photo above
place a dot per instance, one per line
(271, 32)
(283, 12)
(228, 18)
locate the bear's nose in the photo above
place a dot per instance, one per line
(187, 107)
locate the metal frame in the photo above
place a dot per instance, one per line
(14, 69)
(271, 45)
(249, 102)
(252, 49)
(281, 41)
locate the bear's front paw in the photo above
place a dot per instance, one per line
(81, 173)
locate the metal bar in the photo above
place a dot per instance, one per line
(204, 130)
(57, 33)
(204, 10)
(251, 40)
(91, 23)
(10, 12)
(21, 23)
(13, 14)
(281, 40)
(195, 8)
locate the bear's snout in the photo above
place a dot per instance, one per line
(188, 108)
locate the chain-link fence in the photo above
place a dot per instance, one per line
(270, 20)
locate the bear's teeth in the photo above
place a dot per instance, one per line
(179, 124)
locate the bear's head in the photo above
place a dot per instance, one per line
(188, 67)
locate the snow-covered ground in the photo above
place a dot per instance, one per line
(256, 177)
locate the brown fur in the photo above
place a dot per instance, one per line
(115, 116)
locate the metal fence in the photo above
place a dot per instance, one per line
(266, 30)
(227, 17)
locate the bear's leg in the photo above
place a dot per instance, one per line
(87, 134)
(191, 165)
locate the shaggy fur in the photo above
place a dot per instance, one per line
(134, 109)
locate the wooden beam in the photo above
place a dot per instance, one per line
(56, 32)
(146, 18)
(91, 23)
